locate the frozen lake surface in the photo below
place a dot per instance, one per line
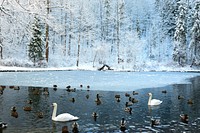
(106, 80)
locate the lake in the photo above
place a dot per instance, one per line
(110, 111)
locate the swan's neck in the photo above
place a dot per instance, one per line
(149, 102)
(54, 112)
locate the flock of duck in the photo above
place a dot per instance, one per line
(69, 117)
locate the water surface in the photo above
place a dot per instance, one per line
(110, 111)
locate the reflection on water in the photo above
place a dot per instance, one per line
(110, 111)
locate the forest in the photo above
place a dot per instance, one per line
(124, 34)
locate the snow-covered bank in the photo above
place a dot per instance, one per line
(155, 68)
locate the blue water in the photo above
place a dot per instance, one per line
(110, 111)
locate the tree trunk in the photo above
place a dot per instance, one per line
(70, 34)
(47, 34)
(78, 54)
(118, 27)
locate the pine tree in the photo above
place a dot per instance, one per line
(36, 44)
(195, 37)
(179, 54)
(169, 12)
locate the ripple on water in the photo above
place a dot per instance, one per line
(110, 112)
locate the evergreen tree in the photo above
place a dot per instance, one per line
(195, 37)
(179, 54)
(169, 12)
(36, 44)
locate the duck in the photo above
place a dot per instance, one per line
(29, 101)
(1, 88)
(94, 115)
(190, 101)
(55, 86)
(46, 92)
(71, 89)
(88, 86)
(75, 127)
(72, 99)
(3, 125)
(134, 100)
(68, 87)
(184, 118)
(13, 108)
(154, 122)
(135, 93)
(16, 88)
(62, 117)
(117, 96)
(1, 92)
(40, 114)
(14, 112)
(123, 125)
(27, 108)
(11, 87)
(180, 97)
(129, 110)
(118, 99)
(164, 91)
(127, 95)
(152, 102)
(128, 104)
(97, 100)
(87, 96)
(65, 129)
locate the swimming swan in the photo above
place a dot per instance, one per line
(62, 117)
(153, 101)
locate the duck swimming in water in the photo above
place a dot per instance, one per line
(3, 125)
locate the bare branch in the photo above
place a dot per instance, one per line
(21, 5)
(2, 2)
(1, 9)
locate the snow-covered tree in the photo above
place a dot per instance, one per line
(35, 48)
(179, 53)
(138, 28)
(169, 12)
(195, 36)
(107, 20)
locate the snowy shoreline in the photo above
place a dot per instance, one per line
(26, 69)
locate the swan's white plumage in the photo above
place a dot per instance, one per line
(62, 117)
(153, 101)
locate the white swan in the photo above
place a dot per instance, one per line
(153, 101)
(62, 117)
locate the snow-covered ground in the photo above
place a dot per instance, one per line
(98, 80)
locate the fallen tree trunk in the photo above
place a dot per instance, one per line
(105, 67)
